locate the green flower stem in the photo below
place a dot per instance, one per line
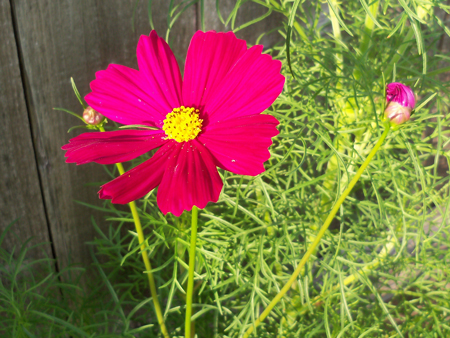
(369, 25)
(319, 299)
(341, 107)
(319, 236)
(282, 10)
(337, 36)
(350, 279)
(407, 41)
(190, 287)
(148, 267)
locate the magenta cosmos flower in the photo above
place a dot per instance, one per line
(211, 118)
(400, 102)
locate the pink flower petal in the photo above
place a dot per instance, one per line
(190, 178)
(209, 58)
(124, 95)
(240, 145)
(249, 88)
(112, 146)
(158, 64)
(129, 96)
(140, 180)
(400, 93)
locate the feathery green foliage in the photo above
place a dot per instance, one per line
(382, 269)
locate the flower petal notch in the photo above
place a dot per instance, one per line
(211, 118)
(400, 102)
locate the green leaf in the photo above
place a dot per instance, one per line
(77, 93)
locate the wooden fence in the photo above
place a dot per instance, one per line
(42, 44)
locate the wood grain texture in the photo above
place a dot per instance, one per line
(60, 39)
(20, 193)
(72, 38)
(246, 12)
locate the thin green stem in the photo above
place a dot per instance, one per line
(337, 35)
(190, 287)
(319, 236)
(400, 51)
(405, 44)
(350, 279)
(369, 25)
(148, 267)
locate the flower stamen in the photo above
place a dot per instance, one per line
(182, 124)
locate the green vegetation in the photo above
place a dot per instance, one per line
(383, 267)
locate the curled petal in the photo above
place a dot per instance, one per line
(140, 180)
(241, 145)
(112, 146)
(190, 178)
(399, 93)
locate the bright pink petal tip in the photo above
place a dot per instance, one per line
(209, 58)
(249, 88)
(140, 180)
(240, 145)
(160, 67)
(190, 178)
(112, 146)
(400, 93)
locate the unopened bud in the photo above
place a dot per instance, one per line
(92, 117)
(400, 102)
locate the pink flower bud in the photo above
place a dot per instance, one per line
(90, 116)
(400, 102)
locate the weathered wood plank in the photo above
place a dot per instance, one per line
(20, 193)
(60, 39)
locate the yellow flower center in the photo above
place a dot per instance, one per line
(182, 124)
